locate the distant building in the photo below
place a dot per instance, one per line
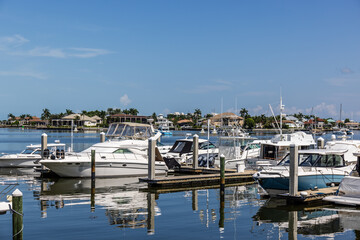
(163, 122)
(128, 118)
(186, 123)
(352, 125)
(29, 121)
(227, 119)
(319, 123)
(78, 120)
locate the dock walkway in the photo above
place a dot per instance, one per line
(203, 179)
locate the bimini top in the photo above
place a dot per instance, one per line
(130, 130)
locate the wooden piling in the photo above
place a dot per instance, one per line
(102, 137)
(92, 199)
(222, 210)
(222, 173)
(293, 222)
(293, 178)
(17, 216)
(151, 213)
(43, 144)
(195, 151)
(151, 158)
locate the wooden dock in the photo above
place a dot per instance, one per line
(311, 195)
(211, 179)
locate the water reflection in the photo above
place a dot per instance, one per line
(321, 220)
(125, 206)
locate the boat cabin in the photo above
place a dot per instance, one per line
(186, 146)
(129, 130)
(318, 158)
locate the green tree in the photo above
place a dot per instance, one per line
(69, 112)
(249, 123)
(244, 113)
(46, 114)
(11, 116)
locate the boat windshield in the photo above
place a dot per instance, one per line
(129, 130)
(206, 145)
(181, 147)
(29, 151)
(316, 160)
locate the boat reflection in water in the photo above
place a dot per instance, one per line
(322, 220)
(125, 206)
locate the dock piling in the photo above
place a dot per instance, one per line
(151, 214)
(92, 200)
(293, 180)
(151, 159)
(17, 215)
(43, 144)
(195, 200)
(293, 222)
(102, 137)
(222, 173)
(195, 151)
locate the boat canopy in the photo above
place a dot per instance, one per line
(129, 130)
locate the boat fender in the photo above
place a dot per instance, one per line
(303, 194)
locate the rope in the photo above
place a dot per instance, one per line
(22, 227)
(13, 211)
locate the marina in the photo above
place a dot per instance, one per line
(131, 209)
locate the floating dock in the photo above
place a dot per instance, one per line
(198, 180)
(310, 195)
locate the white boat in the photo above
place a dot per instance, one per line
(349, 189)
(237, 149)
(31, 155)
(124, 154)
(275, 149)
(318, 168)
(182, 151)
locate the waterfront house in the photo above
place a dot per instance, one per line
(127, 118)
(78, 119)
(227, 119)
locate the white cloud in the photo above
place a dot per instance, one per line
(346, 70)
(87, 52)
(22, 74)
(125, 100)
(9, 42)
(257, 110)
(62, 53)
(339, 82)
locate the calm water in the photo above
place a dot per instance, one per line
(61, 208)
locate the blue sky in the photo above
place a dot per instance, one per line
(175, 56)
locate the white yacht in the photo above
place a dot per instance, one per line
(318, 168)
(31, 155)
(124, 154)
(275, 149)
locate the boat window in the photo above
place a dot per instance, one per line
(308, 159)
(335, 161)
(111, 129)
(28, 151)
(37, 152)
(181, 147)
(322, 162)
(206, 145)
(122, 150)
(128, 131)
(119, 130)
(142, 132)
(269, 152)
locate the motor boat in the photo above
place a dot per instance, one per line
(31, 156)
(123, 154)
(274, 150)
(182, 152)
(317, 168)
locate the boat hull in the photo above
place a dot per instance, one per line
(18, 162)
(102, 169)
(278, 185)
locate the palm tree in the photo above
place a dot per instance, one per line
(46, 114)
(244, 113)
(68, 112)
